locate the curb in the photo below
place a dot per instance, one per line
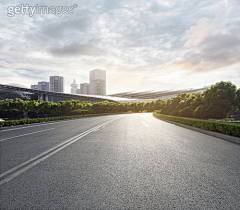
(233, 139)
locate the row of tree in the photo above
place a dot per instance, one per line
(215, 102)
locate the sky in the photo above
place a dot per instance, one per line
(142, 45)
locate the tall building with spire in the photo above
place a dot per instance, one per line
(74, 87)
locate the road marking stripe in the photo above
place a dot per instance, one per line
(145, 124)
(46, 123)
(30, 125)
(40, 155)
(39, 158)
(32, 159)
(33, 163)
(26, 134)
(39, 124)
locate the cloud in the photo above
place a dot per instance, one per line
(152, 38)
(58, 29)
(197, 33)
(4, 48)
(209, 45)
(77, 49)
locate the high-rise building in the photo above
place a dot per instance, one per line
(57, 84)
(34, 87)
(98, 82)
(43, 86)
(84, 88)
(98, 87)
(74, 87)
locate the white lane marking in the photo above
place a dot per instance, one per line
(145, 124)
(33, 125)
(44, 153)
(26, 134)
(44, 123)
(39, 158)
(32, 159)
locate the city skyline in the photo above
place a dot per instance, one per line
(147, 45)
(96, 85)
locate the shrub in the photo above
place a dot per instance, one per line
(225, 128)
(80, 112)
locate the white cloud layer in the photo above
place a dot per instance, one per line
(143, 45)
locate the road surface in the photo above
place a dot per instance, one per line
(112, 162)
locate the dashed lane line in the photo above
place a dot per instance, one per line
(145, 124)
(26, 134)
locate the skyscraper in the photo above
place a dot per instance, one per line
(43, 86)
(57, 84)
(84, 88)
(98, 82)
(34, 87)
(74, 87)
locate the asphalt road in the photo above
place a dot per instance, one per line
(112, 162)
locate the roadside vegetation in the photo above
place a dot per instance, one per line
(220, 127)
(47, 119)
(218, 101)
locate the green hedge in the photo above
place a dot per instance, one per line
(38, 120)
(225, 128)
